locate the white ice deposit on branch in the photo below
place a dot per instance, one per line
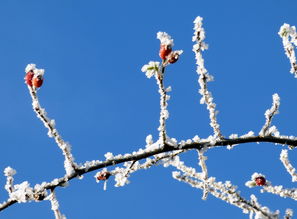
(69, 163)
(165, 39)
(267, 130)
(204, 76)
(9, 173)
(287, 164)
(22, 192)
(151, 69)
(289, 38)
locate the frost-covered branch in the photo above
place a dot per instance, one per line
(287, 164)
(55, 205)
(267, 130)
(227, 192)
(33, 84)
(204, 76)
(289, 37)
(166, 150)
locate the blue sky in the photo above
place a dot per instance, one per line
(92, 53)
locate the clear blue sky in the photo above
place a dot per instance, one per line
(92, 53)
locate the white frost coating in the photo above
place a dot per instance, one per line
(55, 205)
(38, 72)
(165, 39)
(196, 139)
(249, 134)
(30, 67)
(287, 164)
(289, 213)
(149, 140)
(50, 125)
(151, 69)
(233, 136)
(204, 76)
(289, 38)
(266, 129)
(226, 192)
(22, 192)
(168, 89)
(120, 176)
(282, 192)
(9, 173)
(108, 156)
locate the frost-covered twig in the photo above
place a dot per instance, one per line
(282, 192)
(289, 37)
(164, 114)
(202, 163)
(69, 163)
(227, 192)
(204, 76)
(266, 130)
(287, 164)
(90, 166)
(55, 205)
(9, 172)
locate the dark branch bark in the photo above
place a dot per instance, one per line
(286, 141)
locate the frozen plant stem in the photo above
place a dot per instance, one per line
(204, 76)
(163, 105)
(287, 164)
(269, 114)
(69, 163)
(55, 205)
(289, 38)
(203, 166)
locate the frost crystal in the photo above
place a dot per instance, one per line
(8, 171)
(151, 69)
(165, 38)
(23, 192)
(108, 156)
(30, 67)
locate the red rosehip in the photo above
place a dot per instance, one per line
(260, 181)
(37, 81)
(165, 50)
(103, 175)
(28, 78)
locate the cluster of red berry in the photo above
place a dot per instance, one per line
(32, 79)
(167, 54)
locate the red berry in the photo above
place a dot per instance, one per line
(260, 181)
(165, 50)
(37, 81)
(28, 78)
(103, 175)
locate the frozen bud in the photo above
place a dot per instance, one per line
(174, 56)
(260, 181)
(28, 78)
(101, 176)
(165, 50)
